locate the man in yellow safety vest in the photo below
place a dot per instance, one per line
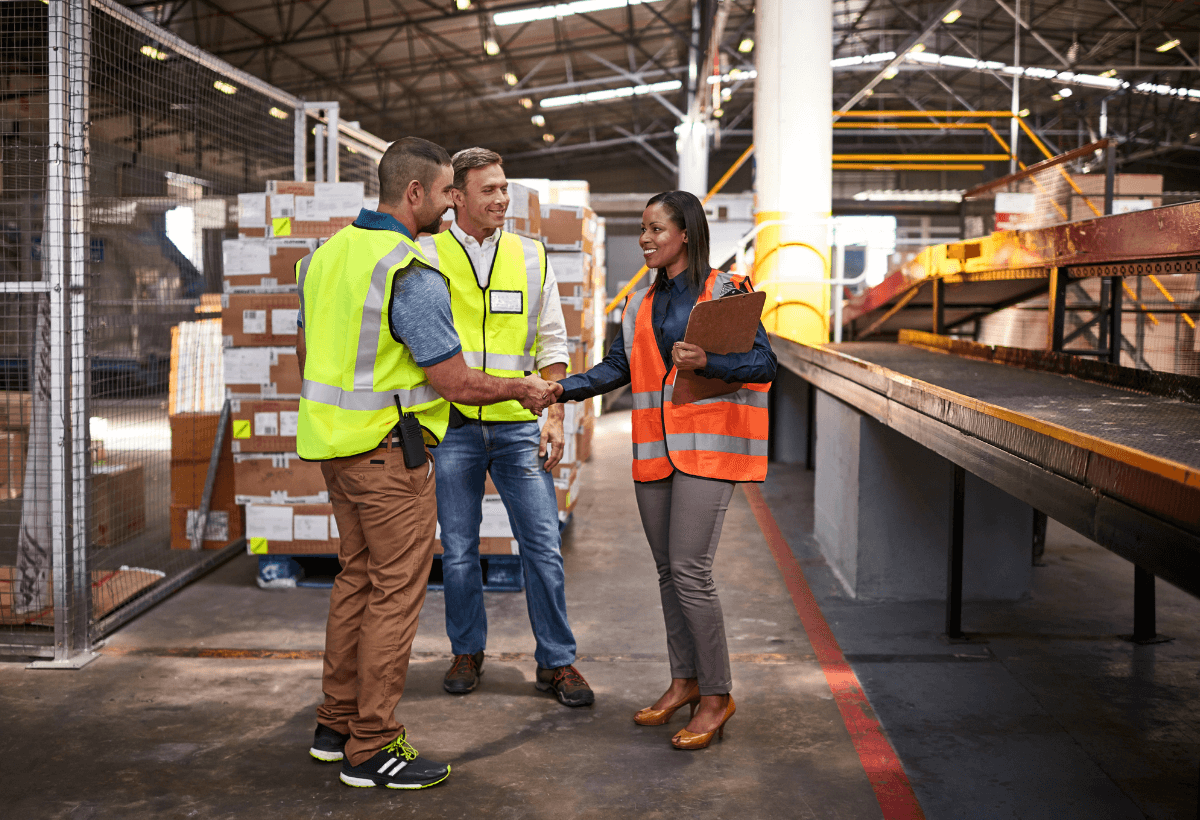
(508, 315)
(380, 361)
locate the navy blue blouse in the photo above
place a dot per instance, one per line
(671, 310)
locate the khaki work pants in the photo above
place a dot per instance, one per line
(386, 516)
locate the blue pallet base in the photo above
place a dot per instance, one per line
(501, 573)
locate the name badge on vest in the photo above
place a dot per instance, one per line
(507, 301)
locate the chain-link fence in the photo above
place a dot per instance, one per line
(123, 150)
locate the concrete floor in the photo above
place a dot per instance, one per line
(1047, 714)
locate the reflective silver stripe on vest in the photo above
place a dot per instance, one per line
(714, 443)
(647, 400)
(474, 359)
(367, 400)
(629, 321)
(746, 396)
(429, 248)
(304, 263)
(372, 317)
(650, 449)
(724, 277)
(533, 287)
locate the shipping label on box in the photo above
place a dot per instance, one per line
(262, 372)
(252, 211)
(295, 529)
(570, 268)
(278, 478)
(264, 426)
(259, 319)
(224, 525)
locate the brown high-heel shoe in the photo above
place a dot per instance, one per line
(657, 717)
(690, 740)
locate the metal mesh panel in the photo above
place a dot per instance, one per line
(1158, 323)
(123, 152)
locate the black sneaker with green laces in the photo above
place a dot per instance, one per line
(328, 745)
(397, 766)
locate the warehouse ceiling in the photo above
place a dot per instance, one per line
(489, 74)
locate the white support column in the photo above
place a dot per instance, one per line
(300, 147)
(319, 153)
(692, 147)
(332, 144)
(793, 146)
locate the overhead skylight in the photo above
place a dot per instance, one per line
(559, 10)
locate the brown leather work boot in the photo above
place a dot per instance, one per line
(464, 674)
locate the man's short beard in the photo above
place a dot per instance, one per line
(433, 227)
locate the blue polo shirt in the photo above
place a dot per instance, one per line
(420, 308)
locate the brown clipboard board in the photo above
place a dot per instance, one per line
(726, 325)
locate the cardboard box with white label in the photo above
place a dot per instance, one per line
(264, 426)
(259, 319)
(291, 529)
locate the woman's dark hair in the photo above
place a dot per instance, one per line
(687, 214)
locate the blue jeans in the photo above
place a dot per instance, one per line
(510, 453)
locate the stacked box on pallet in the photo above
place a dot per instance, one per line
(15, 409)
(569, 233)
(194, 414)
(287, 505)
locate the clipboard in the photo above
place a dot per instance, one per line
(726, 325)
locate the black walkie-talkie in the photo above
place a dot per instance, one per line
(411, 439)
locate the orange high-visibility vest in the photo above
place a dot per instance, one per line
(724, 437)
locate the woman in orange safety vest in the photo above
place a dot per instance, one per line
(686, 457)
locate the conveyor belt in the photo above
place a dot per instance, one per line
(1119, 466)
(980, 276)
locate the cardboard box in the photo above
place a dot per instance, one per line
(263, 264)
(573, 267)
(264, 426)
(568, 228)
(311, 209)
(291, 529)
(524, 214)
(13, 446)
(224, 525)
(259, 319)
(188, 478)
(278, 478)
(193, 434)
(489, 546)
(118, 503)
(262, 372)
(583, 443)
(16, 409)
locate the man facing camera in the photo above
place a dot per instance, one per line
(380, 362)
(508, 315)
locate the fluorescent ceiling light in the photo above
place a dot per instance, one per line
(462, 5)
(952, 17)
(225, 88)
(733, 76)
(1065, 92)
(548, 138)
(538, 120)
(1168, 45)
(526, 102)
(611, 94)
(917, 49)
(909, 196)
(153, 53)
(1112, 72)
(278, 113)
(1023, 113)
(746, 45)
(891, 73)
(557, 10)
(491, 46)
(718, 112)
(510, 78)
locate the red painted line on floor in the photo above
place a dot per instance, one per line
(879, 760)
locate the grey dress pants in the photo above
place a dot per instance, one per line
(682, 517)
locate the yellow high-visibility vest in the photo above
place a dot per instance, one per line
(498, 324)
(355, 370)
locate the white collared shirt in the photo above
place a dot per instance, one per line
(551, 347)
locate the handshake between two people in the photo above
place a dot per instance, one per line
(537, 394)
